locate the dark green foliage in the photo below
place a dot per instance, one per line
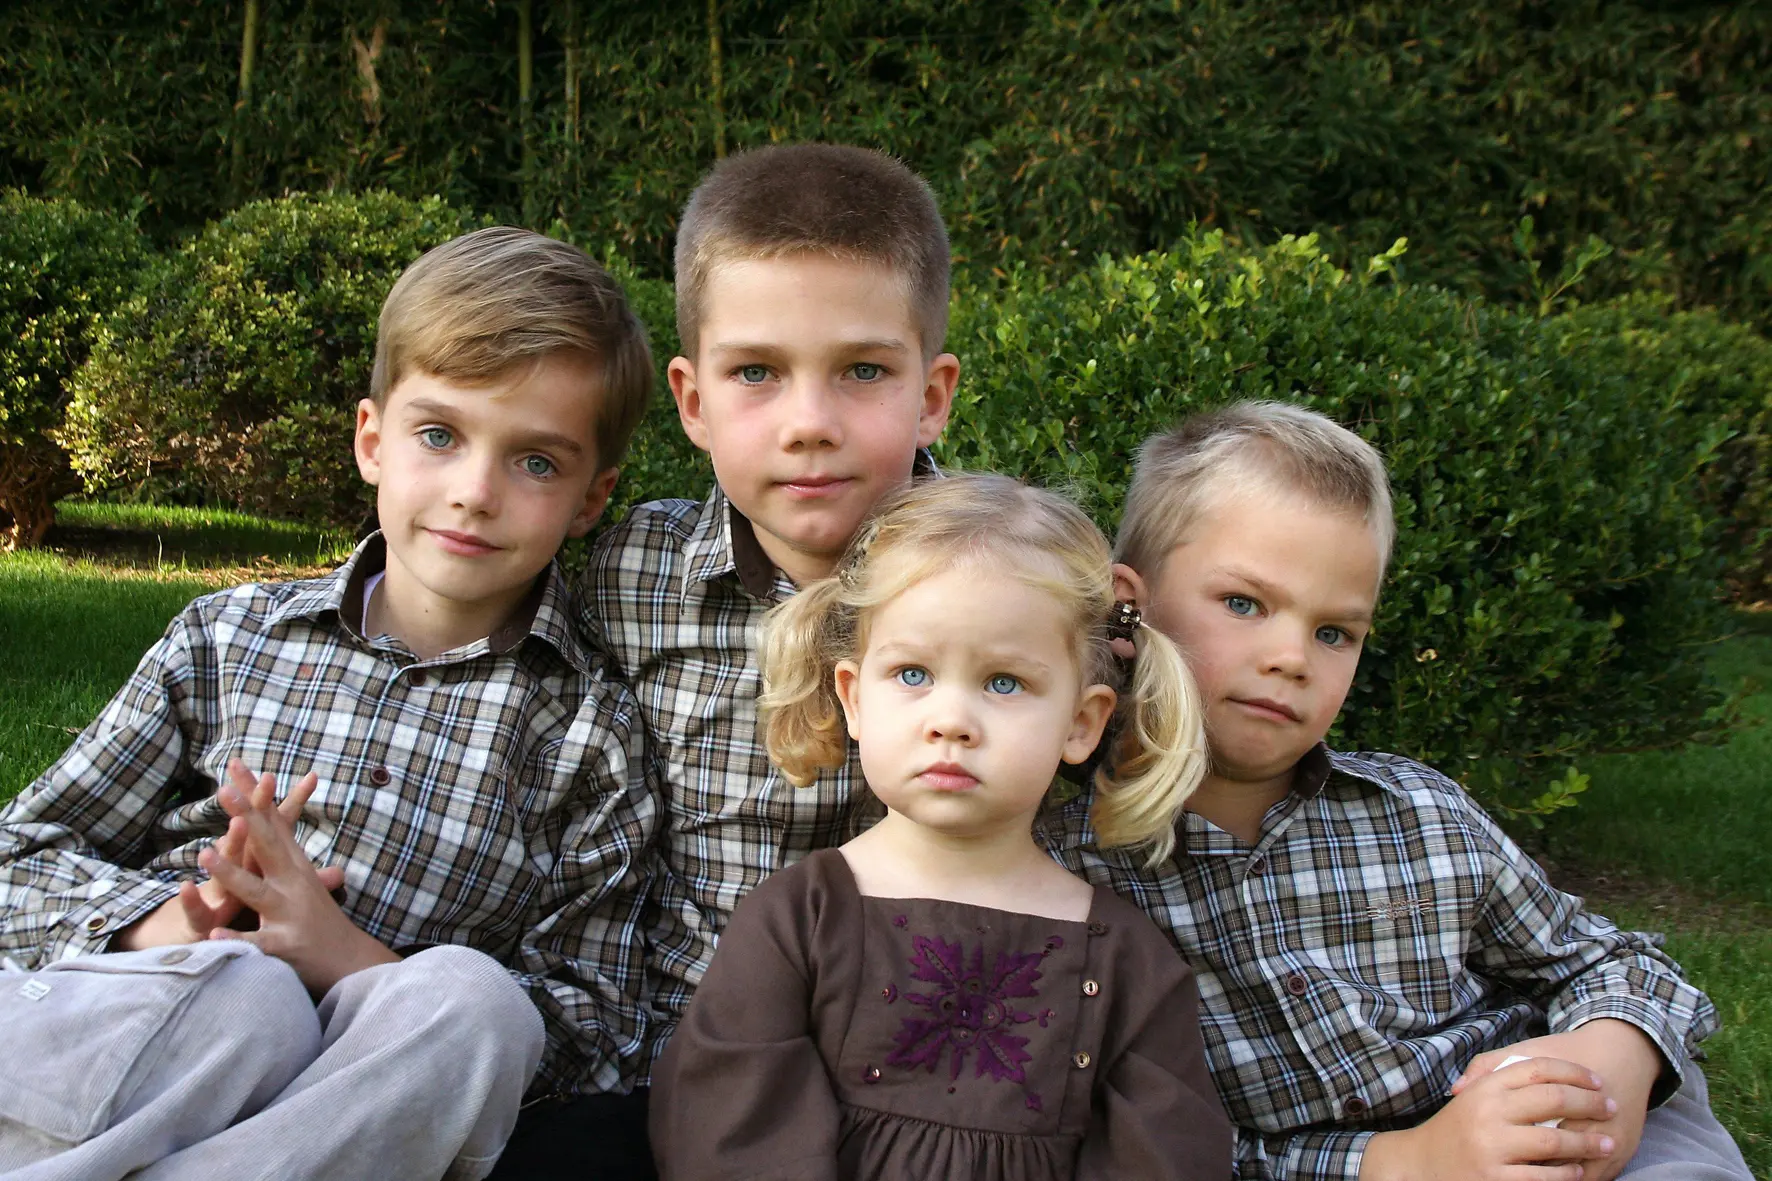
(1053, 130)
(234, 376)
(1721, 375)
(62, 266)
(1555, 574)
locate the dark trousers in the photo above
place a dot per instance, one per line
(588, 1138)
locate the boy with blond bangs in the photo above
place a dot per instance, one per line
(1389, 987)
(812, 295)
(458, 759)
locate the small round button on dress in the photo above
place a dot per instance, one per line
(1081, 1058)
(176, 956)
(1091, 987)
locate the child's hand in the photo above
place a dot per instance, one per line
(1628, 1064)
(298, 922)
(1490, 1130)
(198, 909)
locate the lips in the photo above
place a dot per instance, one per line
(948, 777)
(815, 486)
(1269, 708)
(467, 545)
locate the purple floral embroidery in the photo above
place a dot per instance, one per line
(970, 1009)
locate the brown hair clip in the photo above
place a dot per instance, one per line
(1124, 620)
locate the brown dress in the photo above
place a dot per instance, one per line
(837, 1036)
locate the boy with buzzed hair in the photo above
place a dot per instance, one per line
(1372, 951)
(461, 763)
(812, 295)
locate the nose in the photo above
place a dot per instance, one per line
(949, 717)
(1287, 653)
(474, 484)
(810, 417)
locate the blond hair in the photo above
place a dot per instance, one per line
(486, 303)
(1026, 533)
(1269, 446)
(845, 202)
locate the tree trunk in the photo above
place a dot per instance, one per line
(715, 81)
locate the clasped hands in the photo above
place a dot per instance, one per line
(257, 866)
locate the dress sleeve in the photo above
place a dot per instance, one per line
(1156, 1113)
(741, 1091)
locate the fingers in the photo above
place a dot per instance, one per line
(198, 911)
(244, 885)
(331, 877)
(297, 799)
(1479, 1066)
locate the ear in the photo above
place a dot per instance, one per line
(687, 394)
(1129, 586)
(596, 499)
(1094, 709)
(848, 681)
(368, 441)
(938, 398)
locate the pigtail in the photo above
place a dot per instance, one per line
(804, 729)
(1160, 757)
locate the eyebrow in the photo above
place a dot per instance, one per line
(885, 344)
(1009, 658)
(1262, 586)
(542, 440)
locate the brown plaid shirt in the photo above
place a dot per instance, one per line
(1381, 934)
(676, 591)
(492, 797)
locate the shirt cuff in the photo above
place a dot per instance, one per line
(1647, 1016)
(88, 928)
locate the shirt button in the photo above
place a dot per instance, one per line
(1297, 985)
(871, 1074)
(418, 678)
(1354, 1105)
(178, 956)
(1081, 1058)
(1257, 863)
(96, 923)
(1098, 928)
(1091, 987)
(379, 776)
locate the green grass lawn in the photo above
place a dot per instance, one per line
(1666, 841)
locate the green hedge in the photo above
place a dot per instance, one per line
(1557, 572)
(1721, 374)
(62, 265)
(233, 378)
(1054, 130)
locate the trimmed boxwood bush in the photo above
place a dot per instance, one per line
(62, 265)
(1721, 373)
(1557, 570)
(234, 376)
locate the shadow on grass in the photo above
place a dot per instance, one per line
(157, 537)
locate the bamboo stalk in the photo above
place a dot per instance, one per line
(243, 104)
(715, 79)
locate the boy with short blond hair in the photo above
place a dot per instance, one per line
(469, 776)
(1368, 942)
(812, 305)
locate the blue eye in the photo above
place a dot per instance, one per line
(538, 466)
(868, 372)
(1002, 683)
(1241, 605)
(1334, 637)
(912, 677)
(753, 374)
(435, 437)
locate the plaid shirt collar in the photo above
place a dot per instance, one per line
(545, 613)
(724, 542)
